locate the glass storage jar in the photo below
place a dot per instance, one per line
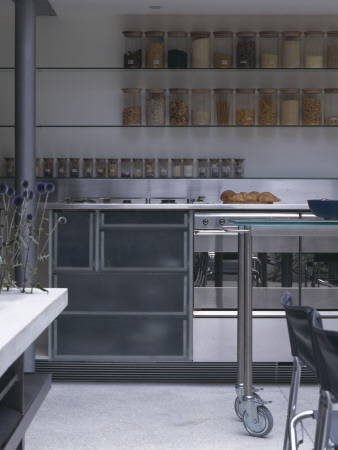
(331, 106)
(200, 49)
(155, 106)
(132, 110)
(291, 49)
(61, 167)
(312, 107)
(313, 49)
(176, 168)
(132, 57)
(88, 167)
(179, 106)
(245, 106)
(289, 106)
(267, 106)
(125, 167)
(37, 167)
(223, 98)
(246, 49)
(202, 168)
(200, 107)
(223, 44)
(214, 167)
(112, 167)
(154, 49)
(100, 166)
(269, 49)
(48, 164)
(10, 167)
(163, 168)
(239, 167)
(137, 168)
(332, 49)
(177, 50)
(226, 167)
(74, 167)
(188, 167)
(150, 167)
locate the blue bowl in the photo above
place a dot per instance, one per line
(327, 209)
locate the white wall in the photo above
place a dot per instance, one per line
(94, 97)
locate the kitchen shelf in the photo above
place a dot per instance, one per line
(178, 126)
(167, 69)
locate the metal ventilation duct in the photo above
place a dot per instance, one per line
(43, 8)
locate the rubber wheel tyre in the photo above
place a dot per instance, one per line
(264, 424)
(239, 406)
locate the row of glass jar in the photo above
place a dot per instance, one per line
(293, 106)
(134, 167)
(294, 50)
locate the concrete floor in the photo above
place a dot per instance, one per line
(127, 416)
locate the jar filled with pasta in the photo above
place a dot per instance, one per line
(132, 110)
(223, 99)
(312, 107)
(245, 106)
(179, 106)
(267, 106)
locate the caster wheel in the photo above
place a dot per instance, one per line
(264, 424)
(239, 406)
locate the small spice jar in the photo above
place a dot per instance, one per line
(289, 106)
(200, 107)
(200, 49)
(100, 166)
(179, 106)
(332, 49)
(267, 106)
(177, 50)
(37, 167)
(74, 167)
(132, 110)
(226, 167)
(223, 44)
(88, 167)
(246, 49)
(312, 107)
(163, 168)
(155, 106)
(223, 98)
(245, 106)
(132, 57)
(269, 49)
(137, 168)
(188, 167)
(214, 168)
(150, 167)
(331, 106)
(239, 167)
(112, 167)
(61, 167)
(176, 167)
(202, 168)
(10, 167)
(313, 49)
(154, 49)
(48, 164)
(291, 49)
(125, 167)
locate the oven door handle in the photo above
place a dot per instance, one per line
(220, 231)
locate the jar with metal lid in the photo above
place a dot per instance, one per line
(291, 49)
(312, 107)
(132, 57)
(313, 49)
(289, 106)
(176, 168)
(149, 167)
(125, 167)
(112, 167)
(239, 167)
(48, 166)
(331, 106)
(267, 106)
(202, 168)
(269, 49)
(132, 110)
(246, 49)
(177, 50)
(10, 167)
(200, 107)
(74, 167)
(226, 167)
(163, 167)
(88, 167)
(179, 106)
(200, 49)
(223, 98)
(137, 168)
(37, 167)
(332, 49)
(245, 106)
(61, 167)
(214, 167)
(188, 167)
(154, 49)
(155, 106)
(100, 166)
(223, 44)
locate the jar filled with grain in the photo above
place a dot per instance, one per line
(155, 106)
(176, 168)
(137, 168)
(100, 166)
(269, 49)
(246, 49)
(149, 167)
(112, 167)
(291, 49)
(132, 110)
(245, 106)
(125, 167)
(226, 168)
(331, 106)
(200, 107)
(154, 49)
(179, 106)
(223, 99)
(313, 49)
(200, 49)
(312, 107)
(289, 106)
(87, 168)
(61, 167)
(332, 49)
(132, 57)
(10, 167)
(48, 164)
(214, 167)
(163, 167)
(267, 106)
(223, 45)
(188, 167)
(202, 168)
(74, 167)
(177, 49)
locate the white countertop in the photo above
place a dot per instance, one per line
(23, 317)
